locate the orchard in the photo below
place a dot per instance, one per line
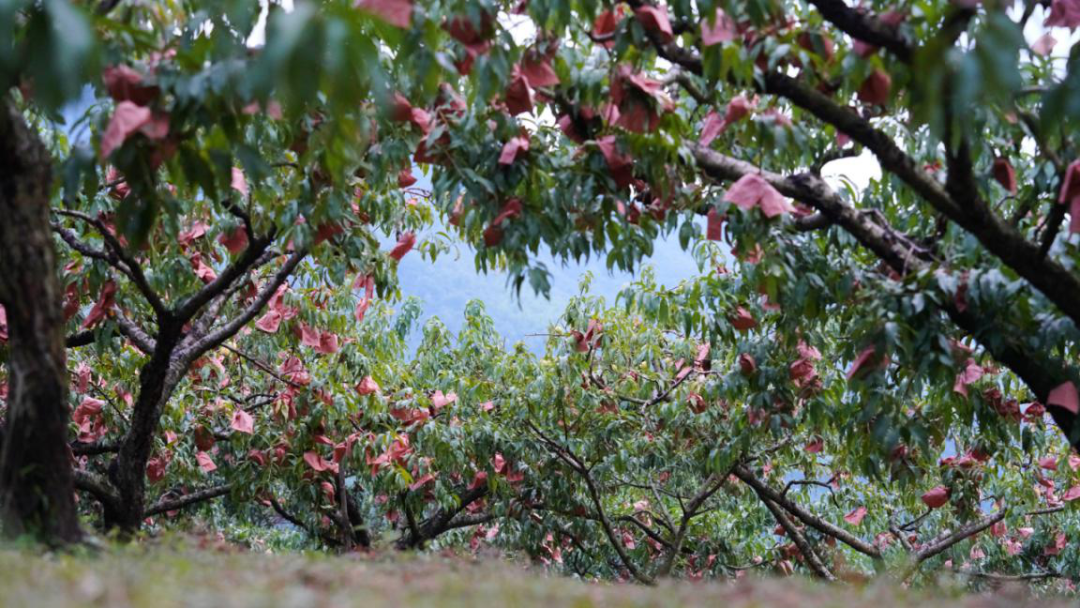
(204, 207)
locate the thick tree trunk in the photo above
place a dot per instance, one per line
(37, 496)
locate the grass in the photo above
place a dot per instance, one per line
(164, 576)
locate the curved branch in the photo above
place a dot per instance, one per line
(813, 222)
(767, 493)
(262, 367)
(468, 520)
(579, 467)
(1039, 372)
(299, 523)
(79, 448)
(68, 236)
(217, 337)
(97, 486)
(222, 282)
(1009, 578)
(963, 533)
(82, 338)
(441, 521)
(125, 327)
(1049, 277)
(131, 330)
(123, 262)
(864, 27)
(165, 505)
(799, 539)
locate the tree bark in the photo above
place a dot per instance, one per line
(157, 381)
(37, 495)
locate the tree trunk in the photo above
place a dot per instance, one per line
(157, 381)
(37, 495)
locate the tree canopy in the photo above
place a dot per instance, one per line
(859, 380)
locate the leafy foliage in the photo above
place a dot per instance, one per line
(238, 191)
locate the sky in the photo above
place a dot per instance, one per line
(446, 285)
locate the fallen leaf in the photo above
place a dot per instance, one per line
(1044, 45)
(513, 149)
(713, 125)
(655, 21)
(865, 360)
(742, 320)
(1005, 174)
(235, 240)
(519, 95)
(405, 178)
(714, 226)
(539, 73)
(367, 386)
(751, 190)
(104, 304)
(620, 163)
(875, 90)
(239, 181)
(970, 374)
(126, 120)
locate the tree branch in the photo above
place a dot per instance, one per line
(97, 486)
(262, 366)
(812, 558)
(864, 27)
(124, 262)
(767, 493)
(1039, 372)
(164, 505)
(469, 519)
(1009, 578)
(578, 466)
(82, 338)
(963, 533)
(232, 273)
(1053, 280)
(79, 448)
(131, 330)
(216, 337)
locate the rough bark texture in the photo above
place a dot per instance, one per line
(37, 495)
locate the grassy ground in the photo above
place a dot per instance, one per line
(159, 577)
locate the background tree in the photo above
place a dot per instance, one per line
(630, 449)
(656, 107)
(224, 208)
(275, 151)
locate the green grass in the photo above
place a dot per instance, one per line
(209, 577)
